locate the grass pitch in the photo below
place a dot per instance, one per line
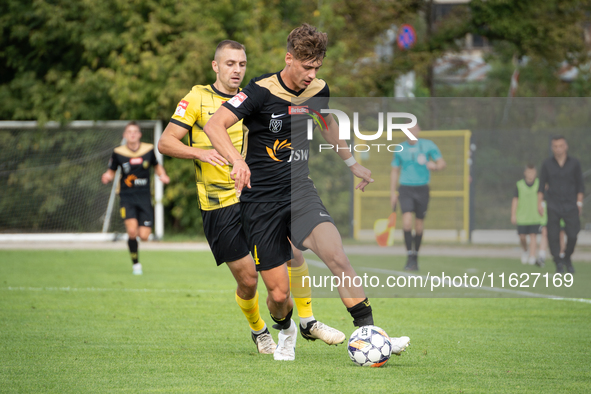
(78, 321)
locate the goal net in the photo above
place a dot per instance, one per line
(448, 213)
(50, 178)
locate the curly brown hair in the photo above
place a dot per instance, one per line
(307, 43)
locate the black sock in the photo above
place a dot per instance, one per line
(132, 244)
(408, 240)
(362, 314)
(285, 322)
(418, 239)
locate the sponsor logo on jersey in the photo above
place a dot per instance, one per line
(135, 161)
(237, 100)
(133, 180)
(297, 110)
(181, 108)
(277, 146)
(276, 116)
(146, 164)
(129, 180)
(275, 125)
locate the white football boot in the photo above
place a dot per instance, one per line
(285, 350)
(524, 257)
(316, 330)
(399, 345)
(264, 341)
(137, 269)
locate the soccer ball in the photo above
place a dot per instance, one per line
(369, 346)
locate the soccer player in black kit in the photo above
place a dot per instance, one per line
(278, 200)
(135, 159)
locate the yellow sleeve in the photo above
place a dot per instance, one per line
(188, 110)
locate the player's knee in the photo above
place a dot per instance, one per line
(132, 234)
(249, 285)
(279, 296)
(337, 259)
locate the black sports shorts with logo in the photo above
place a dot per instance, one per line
(267, 225)
(414, 199)
(224, 234)
(137, 206)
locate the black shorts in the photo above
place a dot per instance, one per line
(529, 229)
(307, 212)
(137, 206)
(414, 199)
(224, 234)
(267, 225)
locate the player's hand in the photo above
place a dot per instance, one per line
(212, 157)
(541, 209)
(106, 178)
(431, 165)
(164, 179)
(361, 172)
(240, 174)
(393, 200)
(513, 220)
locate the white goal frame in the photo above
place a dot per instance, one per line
(104, 235)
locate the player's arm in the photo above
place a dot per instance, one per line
(171, 144)
(216, 129)
(159, 169)
(580, 187)
(108, 176)
(542, 188)
(436, 165)
(394, 174)
(331, 135)
(514, 210)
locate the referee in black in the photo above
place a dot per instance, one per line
(564, 197)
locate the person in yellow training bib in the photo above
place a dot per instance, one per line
(219, 202)
(524, 214)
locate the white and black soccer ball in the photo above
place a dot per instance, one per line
(369, 346)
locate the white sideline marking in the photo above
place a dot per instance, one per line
(98, 289)
(320, 264)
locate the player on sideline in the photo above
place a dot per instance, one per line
(135, 159)
(218, 200)
(524, 213)
(266, 207)
(411, 166)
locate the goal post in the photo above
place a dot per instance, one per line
(448, 217)
(50, 180)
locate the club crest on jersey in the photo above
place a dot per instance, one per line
(181, 108)
(237, 100)
(126, 167)
(275, 125)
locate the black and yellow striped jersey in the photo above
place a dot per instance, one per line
(215, 187)
(276, 147)
(135, 167)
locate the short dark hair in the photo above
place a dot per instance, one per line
(133, 123)
(228, 44)
(530, 166)
(307, 43)
(558, 137)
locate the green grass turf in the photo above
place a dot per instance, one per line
(78, 321)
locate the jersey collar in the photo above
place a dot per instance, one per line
(284, 86)
(222, 94)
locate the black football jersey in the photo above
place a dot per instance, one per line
(135, 167)
(275, 150)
